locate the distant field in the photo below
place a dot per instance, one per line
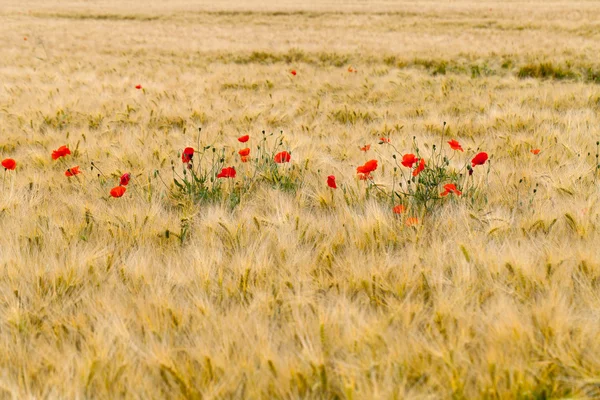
(274, 285)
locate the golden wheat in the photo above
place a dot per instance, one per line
(303, 295)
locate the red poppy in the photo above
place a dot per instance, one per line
(365, 148)
(350, 69)
(399, 209)
(479, 159)
(187, 155)
(412, 221)
(24, 38)
(419, 168)
(293, 72)
(125, 179)
(367, 168)
(454, 145)
(384, 140)
(244, 153)
(535, 151)
(60, 152)
(331, 182)
(138, 86)
(9, 163)
(450, 188)
(72, 171)
(408, 160)
(228, 172)
(118, 191)
(243, 139)
(364, 176)
(282, 157)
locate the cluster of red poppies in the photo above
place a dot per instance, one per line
(417, 165)
(364, 171)
(409, 160)
(229, 172)
(63, 151)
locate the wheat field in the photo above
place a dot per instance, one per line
(315, 292)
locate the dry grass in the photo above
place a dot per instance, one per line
(296, 295)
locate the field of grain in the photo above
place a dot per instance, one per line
(307, 292)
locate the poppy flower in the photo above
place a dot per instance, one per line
(72, 171)
(350, 69)
(118, 191)
(479, 159)
(228, 172)
(419, 168)
(412, 221)
(331, 182)
(450, 188)
(125, 179)
(535, 151)
(454, 145)
(138, 86)
(24, 38)
(408, 160)
(187, 155)
(399, 209)
(60, 152)
(244, 154)
(364, 176)
(368, 167)
(293, 72)
(243, 139)
(282, 157)
(9, 163)
(365, 148)
(384, 140)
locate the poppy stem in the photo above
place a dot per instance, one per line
(442, 141)
(393, 188)
(161, 179)
(102, 173)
